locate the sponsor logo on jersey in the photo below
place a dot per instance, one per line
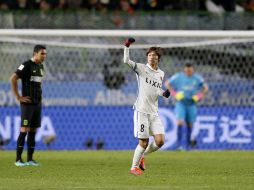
(153, 83)
(25, 122)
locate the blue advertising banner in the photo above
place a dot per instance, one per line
(217, 128)
(75, 93)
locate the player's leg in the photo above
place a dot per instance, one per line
(180, 113)
(31, 147)
(35, 123)
(141, 131)
(191, 115)
(25, 123)
(139, 151)
(20, 146)
(157, 130)
(158, 142)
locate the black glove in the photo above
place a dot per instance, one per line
(129, 41)
(166, 93)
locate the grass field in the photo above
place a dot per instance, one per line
(110, 170)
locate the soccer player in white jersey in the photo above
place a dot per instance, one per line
(146, 119)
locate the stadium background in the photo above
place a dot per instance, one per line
(89, 92)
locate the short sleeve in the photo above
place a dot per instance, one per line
(23, 70)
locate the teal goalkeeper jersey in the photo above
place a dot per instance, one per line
(189, 85)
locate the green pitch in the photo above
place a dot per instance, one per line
(110, 170)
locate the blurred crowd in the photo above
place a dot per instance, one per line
(130, 5)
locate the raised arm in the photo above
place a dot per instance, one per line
(126, 58)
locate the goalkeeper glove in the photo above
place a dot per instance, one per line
(166, 93)
(197, 97)
(129, 41)
(178, 95)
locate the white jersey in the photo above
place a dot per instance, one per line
(149, 85)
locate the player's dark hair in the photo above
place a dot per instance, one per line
(157, 50)
(38, 47)
(188, 64)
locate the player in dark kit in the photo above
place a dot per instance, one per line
(31, 74)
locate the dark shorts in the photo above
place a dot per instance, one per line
(31, 115)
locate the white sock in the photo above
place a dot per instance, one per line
(139, 151)
(151, 148)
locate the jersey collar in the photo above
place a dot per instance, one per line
(149, 66)
(32, 59)
(188, 75)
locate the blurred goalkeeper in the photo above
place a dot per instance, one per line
(146, 119)
(188, 88)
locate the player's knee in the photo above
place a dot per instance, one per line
(180, 123)
(143, 143)
(24, 129)
(160, 142)
(32, 129)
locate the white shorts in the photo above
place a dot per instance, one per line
(146, 125)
